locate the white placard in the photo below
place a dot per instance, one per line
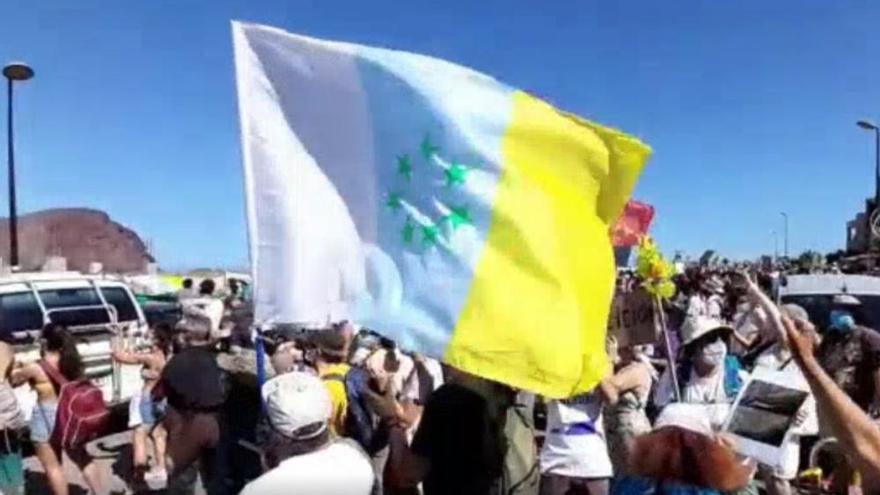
(762, 418)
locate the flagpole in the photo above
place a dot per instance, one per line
(670, 359)
(260, 351)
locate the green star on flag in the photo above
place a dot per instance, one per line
(404, 166)
(395, 201)
(458, 217)
(456, 174)
(428, 148)
(430, 234)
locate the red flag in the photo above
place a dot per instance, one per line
(632, 224)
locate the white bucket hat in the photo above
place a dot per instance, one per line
(692, 417)
(295, 400)
(697, 326)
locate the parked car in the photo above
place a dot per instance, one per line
(97, 311)
(816, 294)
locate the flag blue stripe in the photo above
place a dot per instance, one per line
(418, 288)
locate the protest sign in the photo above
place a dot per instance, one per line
(633, 320)
(763, 416)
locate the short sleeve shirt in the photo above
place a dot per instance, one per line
(462, 443)
(334, 380)
(193, 380)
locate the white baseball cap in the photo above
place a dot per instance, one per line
(295, 400)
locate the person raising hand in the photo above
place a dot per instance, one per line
(854, 429)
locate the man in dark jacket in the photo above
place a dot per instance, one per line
(196, 390)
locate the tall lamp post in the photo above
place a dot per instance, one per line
(869, 126)
(775, 236)
(785, 233)
(15, 71)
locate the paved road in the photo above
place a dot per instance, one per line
(113, 455)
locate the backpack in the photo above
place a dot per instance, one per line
(82, 413)
(521, 472)
(343, 420)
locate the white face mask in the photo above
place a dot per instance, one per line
(713, 354)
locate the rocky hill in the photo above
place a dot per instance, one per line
(81, 235)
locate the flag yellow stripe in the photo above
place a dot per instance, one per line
(536, 313)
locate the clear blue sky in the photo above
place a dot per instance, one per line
(750, 105)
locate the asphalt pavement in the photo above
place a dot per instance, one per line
(113, 455)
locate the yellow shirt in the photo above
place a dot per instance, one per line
(334, 379)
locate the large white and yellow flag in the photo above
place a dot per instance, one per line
(432, 203)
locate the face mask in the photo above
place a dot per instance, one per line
(713, 354)
(842, 321)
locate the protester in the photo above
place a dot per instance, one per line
(332, 347)
(458, 447)
(747, 322)
(707, 301)
(303, 455)
(625, 416)
(59, 357)
(363, 425)
(235, 298)
(857, 433)
(850, 354)
(777, 358)
(410, 382)
(391, 367)
(705, 373)
(150, 411)
(287, 357)
(187, 291)
(205, 305)
(195, 388)
(574, 458)
(12, 421)
(683, 455)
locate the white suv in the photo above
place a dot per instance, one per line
(97, 311)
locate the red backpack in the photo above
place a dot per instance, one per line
(82, 413)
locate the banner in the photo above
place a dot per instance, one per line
(633, 223)
(633, 320)
(460, 217)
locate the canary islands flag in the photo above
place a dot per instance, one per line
(458, 216)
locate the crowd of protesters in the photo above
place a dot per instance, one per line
(349, 412)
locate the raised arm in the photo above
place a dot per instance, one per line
(631, 377)
(768, 306)
(23, 374)
(855, 431)
(406, 467)
(127, 357)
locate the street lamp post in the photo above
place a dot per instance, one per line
(785, 233)
(775, 236)
(864, 124)
(15, 71)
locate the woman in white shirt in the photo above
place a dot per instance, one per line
(574, 459)
(705, 373)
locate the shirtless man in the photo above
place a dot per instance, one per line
(150, 411)
(58, 352)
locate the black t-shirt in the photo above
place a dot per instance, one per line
(461, 441)
(192, 380)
